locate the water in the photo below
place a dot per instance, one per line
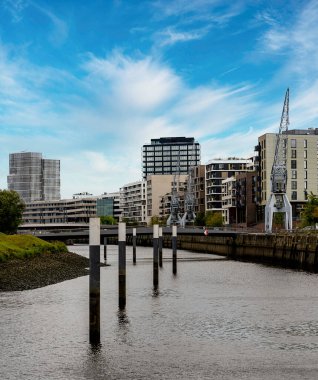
(216, 319)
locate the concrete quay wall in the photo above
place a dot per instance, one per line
(288, 250)
(291, 250)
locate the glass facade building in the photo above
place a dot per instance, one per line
(34, 178)
(170, 155)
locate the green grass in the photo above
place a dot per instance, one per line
(25, 246)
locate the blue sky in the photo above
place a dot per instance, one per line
(90, 82)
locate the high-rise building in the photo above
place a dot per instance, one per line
(34, 178)
(170, 155)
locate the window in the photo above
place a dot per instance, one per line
(293, 153)
(293, 164)
(294, 174)
(293, 143)
(294, 195)
(305, 154)
(305, 164)
(305, 143)
(305, 174)
(294, 185)
(305, 185)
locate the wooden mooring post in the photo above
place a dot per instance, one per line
(94, 280)
(122, 265)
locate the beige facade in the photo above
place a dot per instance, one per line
(158, 186)
(302, 164)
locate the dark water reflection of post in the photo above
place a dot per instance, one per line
(123, 326)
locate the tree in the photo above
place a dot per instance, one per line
(214, 219)
(11, 210)
(158, 220)
(309, 215)
(108, 219)
(200, 219)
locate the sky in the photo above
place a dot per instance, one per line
(90, 82)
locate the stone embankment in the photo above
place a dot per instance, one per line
(294, 250)
(288, 250)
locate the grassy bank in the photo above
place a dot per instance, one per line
(27, 262)
(26, 246)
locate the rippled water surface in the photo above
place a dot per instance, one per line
(216, 319)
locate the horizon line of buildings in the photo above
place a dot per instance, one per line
(236, 187)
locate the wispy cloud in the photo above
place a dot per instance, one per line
(59, 31)
(192, 20)
(171, 36)
(297, 40)
(15, 8)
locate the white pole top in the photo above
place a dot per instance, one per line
(155, 231)
(134, 231)
(122, 232)
(174, 230)
(160, 231)
(94, 231)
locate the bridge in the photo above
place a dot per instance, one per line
(81, 234)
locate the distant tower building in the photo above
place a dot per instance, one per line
(34, 178)
(169, 155)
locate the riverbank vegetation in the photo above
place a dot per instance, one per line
(27, 262)
(26, 246)
(11, 210)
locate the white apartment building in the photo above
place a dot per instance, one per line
(133, 201)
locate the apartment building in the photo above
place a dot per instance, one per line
(169, 155)
(301, 162)
(198, 176)
(133, 202)
(109, 204)
(33, 177)
(75, 210)
(216, 171)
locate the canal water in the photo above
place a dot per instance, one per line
(215, 319)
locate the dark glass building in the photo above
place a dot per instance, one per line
(170, 155)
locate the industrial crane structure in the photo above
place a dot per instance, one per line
(189, 200)
(174, 217)
(278, 200)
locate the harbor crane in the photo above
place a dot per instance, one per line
(189, 200)
(174, 217)
(278, 200)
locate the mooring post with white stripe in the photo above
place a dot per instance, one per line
(155, 255)
(134, 245)
(160, 247)
(174, 249)
(94, 280)
(105, 250)
(122, 265)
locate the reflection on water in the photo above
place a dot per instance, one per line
(216, 319)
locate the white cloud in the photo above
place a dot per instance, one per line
(142, 84)
(297, 40)
(171, 36)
